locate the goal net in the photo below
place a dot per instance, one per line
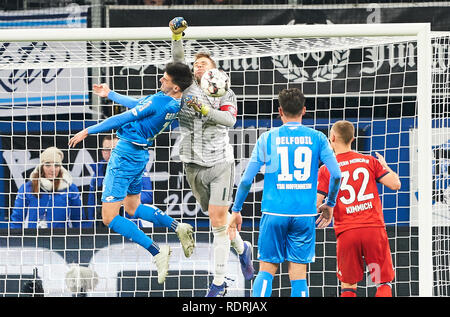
(379, 78)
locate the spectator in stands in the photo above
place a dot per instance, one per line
(49, 199)
(205, 2)
(154, 2)
(94, 208)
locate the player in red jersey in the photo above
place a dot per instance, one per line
(358, 214)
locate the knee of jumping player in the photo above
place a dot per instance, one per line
(109, 211)
(106, 218)
(131, 203)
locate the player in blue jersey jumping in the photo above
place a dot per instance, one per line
(291, 155)
(137, 128)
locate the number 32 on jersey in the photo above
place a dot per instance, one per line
(351, 193)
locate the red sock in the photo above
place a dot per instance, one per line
(384, 290)
(348, 292)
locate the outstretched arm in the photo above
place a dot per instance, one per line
(109, 124)
(177, 26)
(104, 91)
(126, 101)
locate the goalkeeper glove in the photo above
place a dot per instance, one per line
(193, 102)
(177, 26)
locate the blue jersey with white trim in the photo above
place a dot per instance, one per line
(147, 118)
(153, 114)
(291, 155)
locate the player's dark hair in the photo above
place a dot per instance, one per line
(180, 73)
(292, 101)
(344, 130)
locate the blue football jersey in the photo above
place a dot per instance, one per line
(152, 115)
(147, 118)
(291, 155)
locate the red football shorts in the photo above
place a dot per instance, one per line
(369, 245)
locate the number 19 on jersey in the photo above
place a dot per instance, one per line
(301, 167)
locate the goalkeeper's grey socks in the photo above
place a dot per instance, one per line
(156, 216)
(221, 245)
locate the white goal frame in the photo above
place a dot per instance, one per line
(420, 31)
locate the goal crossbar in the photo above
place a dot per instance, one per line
(215, 32)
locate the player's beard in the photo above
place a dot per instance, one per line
(198, 75)
(198, 78)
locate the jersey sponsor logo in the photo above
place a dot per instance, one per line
(352, 161)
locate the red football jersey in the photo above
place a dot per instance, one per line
(358, 203)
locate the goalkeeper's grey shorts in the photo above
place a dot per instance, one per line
(211, 185)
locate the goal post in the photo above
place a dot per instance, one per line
(342, 70)
(424, 100)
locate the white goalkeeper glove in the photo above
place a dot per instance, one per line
(192, 101)
(177, 26)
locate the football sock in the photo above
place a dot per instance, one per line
(299, 288)
(221, 246)
(348, 292)
(384, 290)
(130, 231)
(262, 285)
(237, 243)
(156, 216)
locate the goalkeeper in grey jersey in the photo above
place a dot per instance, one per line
(208, 159)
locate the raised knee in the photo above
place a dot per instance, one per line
(107, 218)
